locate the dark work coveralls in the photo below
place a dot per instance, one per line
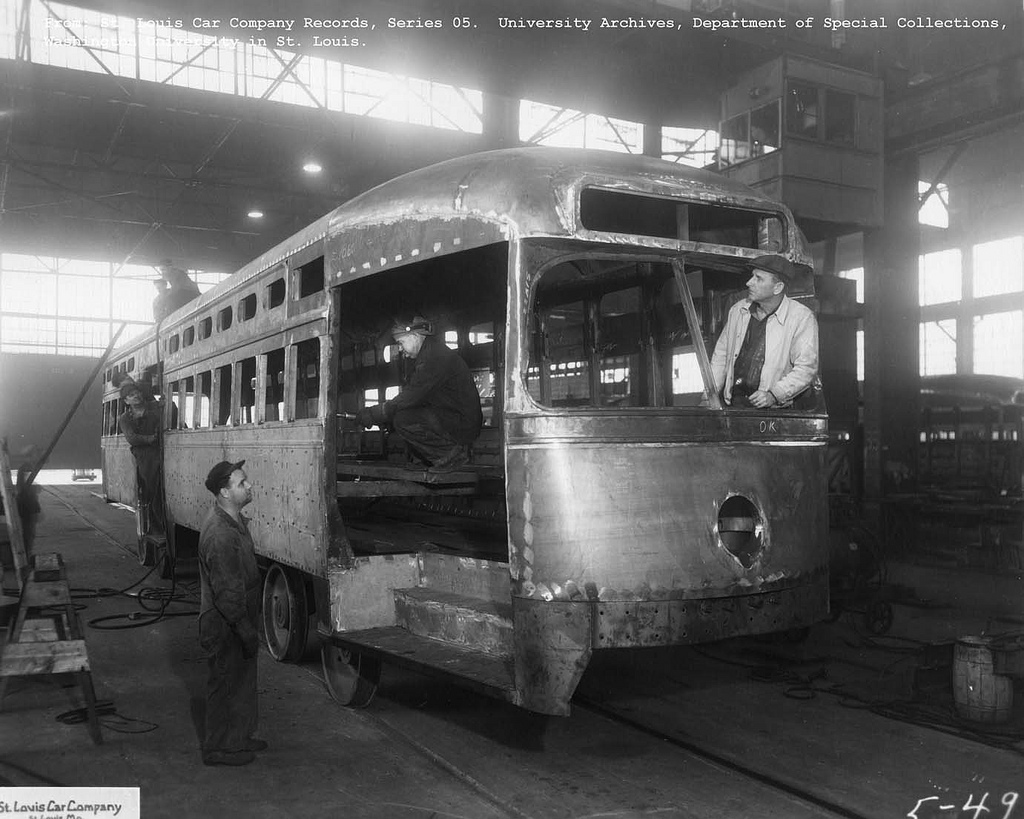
(143, 436)
(439, 406)
(228, 618)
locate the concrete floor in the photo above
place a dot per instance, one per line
(424, 748)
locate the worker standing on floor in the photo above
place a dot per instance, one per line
(228, 619)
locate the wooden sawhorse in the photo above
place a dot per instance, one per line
(46, 637)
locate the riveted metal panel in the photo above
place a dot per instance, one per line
(639, 521)
(636, 624)
(283, 461)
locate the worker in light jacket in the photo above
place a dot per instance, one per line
(767, 354)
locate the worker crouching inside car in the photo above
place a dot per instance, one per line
(438, 410)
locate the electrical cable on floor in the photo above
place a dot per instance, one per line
(148, 616)
(145, 594)
(109, 718)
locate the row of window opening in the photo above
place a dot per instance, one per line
(231, 395)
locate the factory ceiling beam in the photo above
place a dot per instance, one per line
(962, 106)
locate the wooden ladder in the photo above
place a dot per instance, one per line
(46, 636)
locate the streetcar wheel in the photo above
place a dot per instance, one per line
(285, 614)
(878, 617)
(351, 677)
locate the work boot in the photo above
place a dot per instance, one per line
(229, 758)
(457, 456)
(253, 744)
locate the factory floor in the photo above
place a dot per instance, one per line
(325, 760)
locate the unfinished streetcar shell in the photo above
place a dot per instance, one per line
(611, 501)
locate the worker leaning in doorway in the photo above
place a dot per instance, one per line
(767, 354)
(228, 619)
(140, 424)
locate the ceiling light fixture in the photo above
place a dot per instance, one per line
(312, 167)
(255, 214)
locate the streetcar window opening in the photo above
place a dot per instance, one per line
(247, 307)
(173, 417)
(174, 343)
(720, 224)
(274, 372)
(188, 403)
(131, 365)
(247, 391)
(224, 395)
(188, 337)
(564, 381)
(205, 394)
(224, 319)
(205, 328)
(311, 277)
(307, 379)
(275, 294)
(610, 333)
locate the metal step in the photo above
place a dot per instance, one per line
(473, 577)
(470, 622)
(484, 673)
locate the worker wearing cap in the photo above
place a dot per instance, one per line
(767, 353)
(438, 410)
(228, 619)
(179, 290)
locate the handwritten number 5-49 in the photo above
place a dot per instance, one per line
(975, 810)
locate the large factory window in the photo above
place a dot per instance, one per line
(71, 304)
(126, 46)
(938, 347)
(939, 277)
(999, 344)
(542, 124)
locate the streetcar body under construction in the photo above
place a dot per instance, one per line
(611, 499)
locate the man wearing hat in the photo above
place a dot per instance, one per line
(767, 353)
(438, 410)
(228, 618)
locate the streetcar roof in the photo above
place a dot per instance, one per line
(519, 191)
(516, 185)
